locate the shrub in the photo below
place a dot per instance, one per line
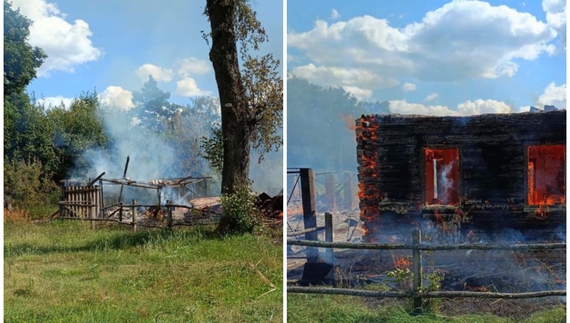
(240, 215)
(26, 186)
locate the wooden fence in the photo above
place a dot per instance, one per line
(86, 203)
(82, 202)
(417, 247)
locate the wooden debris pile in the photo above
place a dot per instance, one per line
(271, 208)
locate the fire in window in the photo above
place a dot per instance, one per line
(546, 174)
(442, 176)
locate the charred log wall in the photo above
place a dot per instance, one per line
(492, 164)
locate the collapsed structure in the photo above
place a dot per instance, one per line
(480, 173)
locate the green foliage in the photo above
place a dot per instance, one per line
(404, 278)
(264, 90)
(262, 82)
(28, 133)
(78, 129)
(151, 105)
(186, 132)
(431, 305)
(26, 186)
(213, 148)
(240, 215)
(20, 58)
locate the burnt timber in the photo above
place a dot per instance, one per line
(492, 170)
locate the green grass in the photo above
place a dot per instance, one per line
(305, 308)
(67, 272)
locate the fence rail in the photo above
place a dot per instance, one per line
(423, 247)
(442, 294)
(417, 247)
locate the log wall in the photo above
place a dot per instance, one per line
(492, 166)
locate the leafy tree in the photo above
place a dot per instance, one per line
(251, 97)
(151, 105)
(22, 122)
(185, 129)
(20, 58)
(79, 128)
(28, 133)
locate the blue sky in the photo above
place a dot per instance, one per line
(112, 46)
(434, 57)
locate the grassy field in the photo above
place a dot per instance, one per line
(67, 272)
(304, 308)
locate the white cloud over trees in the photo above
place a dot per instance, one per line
(67, 45)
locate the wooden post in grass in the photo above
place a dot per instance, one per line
(134, 213)
(92, 211)
(329, 254)
(120, 211)
(417, 260)
(168, 214)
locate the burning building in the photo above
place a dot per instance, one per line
(473, 174)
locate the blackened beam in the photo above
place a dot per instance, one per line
(132, 183)
(96, 179)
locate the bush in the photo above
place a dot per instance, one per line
(240, 215)
(26, 187)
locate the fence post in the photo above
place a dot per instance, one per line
(134, 212)
(120, 211)
(309, 210)
(329, 254)
(91, 209)
(417, 260)
(168, 214)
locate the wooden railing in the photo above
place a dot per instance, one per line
(417, 247)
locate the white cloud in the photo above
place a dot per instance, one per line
(191, 66)
(116, 96)
(189, 87)
(158, 73)
(460, 40)
(334, 14)
(67, 45)
(463, 109)
(358, 93)
(338, 76)
(407, 87)
(431, 97)
(483, 106)
(55, 101)
(556, 17)
(403, 107)
(554, 95)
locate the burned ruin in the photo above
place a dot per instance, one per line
(474, 175)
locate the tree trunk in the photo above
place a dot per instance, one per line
(235, 129)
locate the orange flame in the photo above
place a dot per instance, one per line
(368, 193)
(546, 174)
(402, 263)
